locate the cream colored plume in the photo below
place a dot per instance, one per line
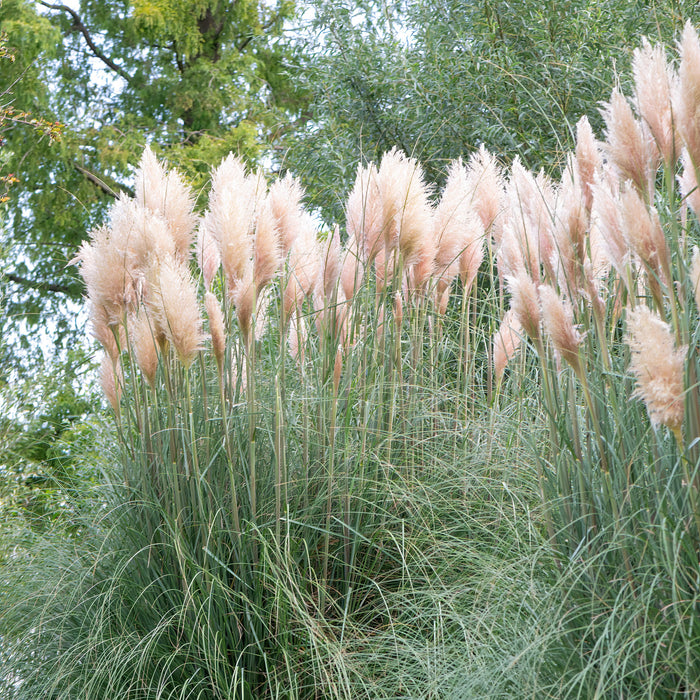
(658, 367)
(506, 342)
(686, 97)
(654, 85)
(557, 317)
(364, 212)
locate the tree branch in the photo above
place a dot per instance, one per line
(41, 286)
(101, 183)
(78, 24)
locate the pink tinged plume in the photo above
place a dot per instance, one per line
(525, 304)
(557, 317)
(658, 367)
(531, 202)
(644, 234)
(606, 220)
(174, 308)
(406, 211)
(285, 201)
(108, 272)
(296, 338)
(424, 267)
(109, 380)
(485, 182)
(304, 271)
(654, 85)
(364, 212)
(268, 252)
(207, 254)
(244, 299)
(143, 342)
(111, 337)
(571, 225)
(458, 227)
(167, 195)
(630, 145)
(589, 159)
(686, 97)
(231, 216)
(506, 342)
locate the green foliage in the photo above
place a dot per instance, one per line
(200, 79)
(440, 78)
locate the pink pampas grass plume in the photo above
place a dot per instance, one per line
(606, 219)
(285, 197)
(557, 317)
(111, 337)
(630, 144)
(108, 272)
(268, 252)
(525, 304)
(304, 270)
(485, 182)
(174, 308)
(364, 212)
(231, 216)
(644, 234)
(406, 211)
(216, 328)
(658, 367)
(167, 195)
(588, 159)
(654, 84)
(109, 380)
(244, 298)
(143, 342)
(506, 342)
(686, 97)
(458, 228)
(207, 254)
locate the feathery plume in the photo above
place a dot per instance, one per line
(588, 159)
(109, 380)
(174, 309)
(658, 367)
(290, 218)
(506, 342)
(231, 216)
(268, 255)
(363, 212)
(654, 83)
(244, 298)
(406, 211)
(557, 317)
(525, 303)
(207, 252)
(686, 97)
(485, 182)
(630, 144)
(143, 342)
(332, 263)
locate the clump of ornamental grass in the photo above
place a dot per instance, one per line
(290, 490)
(601, 283)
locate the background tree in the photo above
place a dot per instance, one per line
(439, 78)
(198, 79)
